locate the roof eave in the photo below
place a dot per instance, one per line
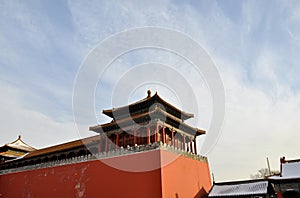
(158, 111)
(184, 115)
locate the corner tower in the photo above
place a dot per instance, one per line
(151, 120)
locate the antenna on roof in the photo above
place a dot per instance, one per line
(19, 137)
(269, 166)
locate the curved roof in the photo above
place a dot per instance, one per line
(145, 104)
(63, 146)
(156, 113)
(20, 145)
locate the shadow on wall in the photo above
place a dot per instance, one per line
(201, 194)
(291, 194)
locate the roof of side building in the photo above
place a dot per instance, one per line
(20, 145)
(239, 188)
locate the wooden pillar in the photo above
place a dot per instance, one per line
(184, 142)
(172, 140)
(123, 140)
(100, 143)
(148, 135)
(195, 146)
(191, 145)
(117, 140)
(134, 136)
(181, 143)
(163, 134)
(106, 143)
(156, 132)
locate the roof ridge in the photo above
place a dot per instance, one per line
(62, 146)
(109, 112)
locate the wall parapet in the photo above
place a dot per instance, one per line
(103, 155)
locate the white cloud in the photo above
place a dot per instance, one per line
(256, 126)
(292, 20)
(259, 122)
(36, 128)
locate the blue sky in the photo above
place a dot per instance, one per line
(254, 44)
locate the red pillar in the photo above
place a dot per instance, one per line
(148, 135)
(195, 146)
(173, 140)
(164, 135)
(191, 145)
(123, 136)
(134, 136)
(184, 142)
(117, 140)
(156, 133)
(106, 143)
(181, 143)
(100, 143)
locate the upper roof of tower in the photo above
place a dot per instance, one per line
(145, 105)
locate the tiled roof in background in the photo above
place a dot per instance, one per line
(239, 188)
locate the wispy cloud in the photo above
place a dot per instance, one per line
(255, 46)
(36, 127)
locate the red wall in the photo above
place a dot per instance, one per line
(183, 176)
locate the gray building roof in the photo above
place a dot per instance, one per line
(241, 188)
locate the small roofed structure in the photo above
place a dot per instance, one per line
(287, 183)
(14, 150)
(247, 188)
(69, 150)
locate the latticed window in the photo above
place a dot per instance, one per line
(128, 140)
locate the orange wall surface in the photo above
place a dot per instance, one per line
(183, 177)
